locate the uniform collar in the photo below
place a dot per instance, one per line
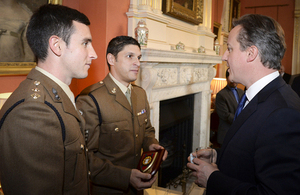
(64, 86)
(120, 85)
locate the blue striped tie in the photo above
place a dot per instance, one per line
(240, 106)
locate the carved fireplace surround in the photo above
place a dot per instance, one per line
(170, 74)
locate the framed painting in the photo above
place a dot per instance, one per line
(235, 10)
(16, 58)
(190, 11)
(217, 30)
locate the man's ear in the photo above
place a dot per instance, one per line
(55, 45)
(252, 53)
(111, 59)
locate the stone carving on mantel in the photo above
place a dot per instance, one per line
(211, 73)
(185, 75)
(200, 74)
(166, 76)
(148, 78)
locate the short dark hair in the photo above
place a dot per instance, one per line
(118, 43)
(266, 34)
(51, 20)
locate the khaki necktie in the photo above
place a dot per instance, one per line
(127, 94)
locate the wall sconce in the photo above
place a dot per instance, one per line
(216, 85)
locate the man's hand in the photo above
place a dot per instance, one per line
(209, 155)
(202, 170)
(141, 181)
(154, 147)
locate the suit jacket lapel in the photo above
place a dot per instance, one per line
(250, 109)
(113, 89)
(247, 112)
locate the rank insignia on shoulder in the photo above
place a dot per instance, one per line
(35, 96)
(101, 82)
(36, 90)
(36, 83)
(142, 112)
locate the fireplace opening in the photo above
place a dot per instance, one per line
(176, 135)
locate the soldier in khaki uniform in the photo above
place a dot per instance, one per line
(118, 127)
(42, 143)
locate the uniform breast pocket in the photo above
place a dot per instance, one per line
(142, 119)
(75, 163)
(115, 137)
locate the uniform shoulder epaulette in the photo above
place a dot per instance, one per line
(36, 92)
(92, 88)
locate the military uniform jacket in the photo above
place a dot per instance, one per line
(115, 144)
(41, 142)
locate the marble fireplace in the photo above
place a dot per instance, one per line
(166, 75)
(171, 74)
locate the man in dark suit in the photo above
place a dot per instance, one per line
(42, 142)
(117, 117)
(226, 103)
(261, 151)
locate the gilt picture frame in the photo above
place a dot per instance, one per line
(190, 11)
(235, 10)
(11, 66)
